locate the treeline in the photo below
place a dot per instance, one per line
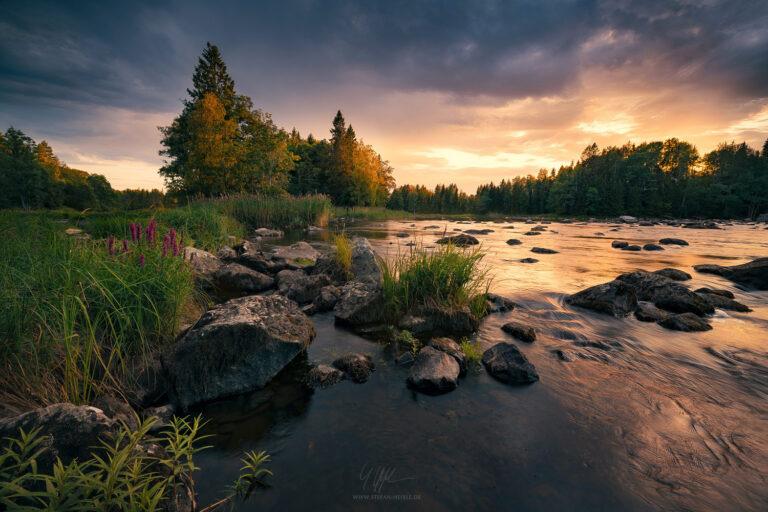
(32, 177)
(658, 179)
(220, 144)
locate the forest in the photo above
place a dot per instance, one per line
(653, 179)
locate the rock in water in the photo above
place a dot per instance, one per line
(360, 304)
(522, 332)
(665, 293)
(435, 319)
(724, 293)
(514, 241)
(529, 260)
(269, 233)
(235, 347)
(435, 372)
(364, 266)
(506, 363)
(753, 274)
(498, 304)
(358, 367)
(451, 348)
(673, 241)
(685, 322)
(652, 247)
(298, 286)
(649, 313)
(633, 248)
(74, 431)
(674, 274)
(618, 244)
(542, 250)
(459, 240)
(614, 298)
(719, 301)
(322, 376)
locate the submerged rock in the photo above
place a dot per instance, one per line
(685, 322)
(520, 331)
(541, 250)
(357, 367)
(505, 362)
(322, 376)
(514, 241)
(498, 304)
(633, 248)
(614, 298)
(652, 247)
(529, 260)
(532, 233)
(619, 244)
(459, 240)
(235, 347)
(673, 241)
(753, 274)
(478, 231)
(435, 372)
(674, 274)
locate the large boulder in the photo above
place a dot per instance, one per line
(666, 293)
(236, 347)
(298, 255)
(359, 305)
(298, 286)
(364, 265)
(753, 274)
(435, 372)
(451, 348)
(505, 362)
(615, 298)
(204, 264)
(234, 277)
(73, 431)
(435, 319)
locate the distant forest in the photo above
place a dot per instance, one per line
(220, 144)
(651, 179)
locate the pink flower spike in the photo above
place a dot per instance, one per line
(138, 232)
(111, 246)
(175, 248)
(125, 245)
(141, 260)
(132, 227)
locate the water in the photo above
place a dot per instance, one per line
(643, 418)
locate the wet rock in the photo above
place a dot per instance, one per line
(227, 254)
(298, 255)
(239, 278)
(434, 319)
(435, 372)
(360, 304)
(633, 248)
(505, 362)
(498, 304)
(541, 250)
(614, 298)
(520, 331)
(665, 293)
(649, 313)
(674, 274)
(459, 240)
(478, 231)
(685, 322)
(433, 226)
(618, 244)
(673, 241)
(718, 301)
(402, 235)
(300, 287)
(725, 293)
(73, 431)
(357, 367)
(628, 219)
(514, 241)
(565, 355)
(118, 410)
(269, 233)
(652, 247)
(364, 265)
(322, 376)
(327, 298)
(235, 347)
(532, 233)
(753, 274)
(404, 359)
(529, 260)
(451, 348)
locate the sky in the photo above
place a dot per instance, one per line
(447, 91)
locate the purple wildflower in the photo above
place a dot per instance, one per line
(125, 245)
(111, 245)
(181, 240)
(175, 248)
(173, 236)
(138, 232)
(132, 227)
(151, 232)
(141, 260)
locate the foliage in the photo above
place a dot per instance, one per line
(72, 309)
(472, 351)
(406, 339)
(125, 477)
(447, 276)
(343, 246)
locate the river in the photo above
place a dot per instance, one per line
(642, 418)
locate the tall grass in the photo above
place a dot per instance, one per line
(343, 246)
(256, 211)
(72, 310)
(447, 276)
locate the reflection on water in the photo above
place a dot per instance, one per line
(627, 415)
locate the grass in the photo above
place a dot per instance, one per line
(72, 311)
(274, 212)
(123, 477)
(343, 246)
(447, 276)
(472, 351)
